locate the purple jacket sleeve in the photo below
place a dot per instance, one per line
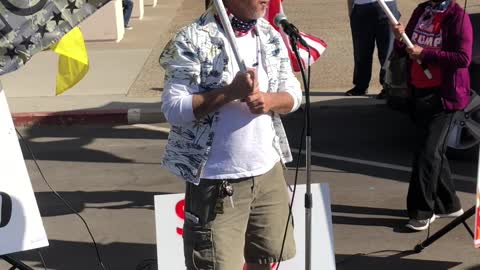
(461, 57)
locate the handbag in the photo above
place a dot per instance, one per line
(397, 90)
(428, 104)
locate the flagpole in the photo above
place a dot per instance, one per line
(405, 38)
(227, 27)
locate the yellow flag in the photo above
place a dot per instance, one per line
(72, 61)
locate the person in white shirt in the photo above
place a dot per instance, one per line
(227, 140)
(370, 26)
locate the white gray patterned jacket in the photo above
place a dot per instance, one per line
(198, 58)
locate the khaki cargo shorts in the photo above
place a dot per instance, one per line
(217, 236)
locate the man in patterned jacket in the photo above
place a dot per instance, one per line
(227, 140)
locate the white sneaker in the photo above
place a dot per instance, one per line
(128, 27)
(451, 215)
(420, 224)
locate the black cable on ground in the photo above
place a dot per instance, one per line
(66, 203)
(41, 259)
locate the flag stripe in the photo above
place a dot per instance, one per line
(317, 46)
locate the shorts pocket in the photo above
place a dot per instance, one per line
(198, 248)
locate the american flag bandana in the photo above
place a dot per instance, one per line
(240, 28)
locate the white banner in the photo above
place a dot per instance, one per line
(169, 216)
(21, 226)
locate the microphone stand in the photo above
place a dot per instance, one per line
(308, 146)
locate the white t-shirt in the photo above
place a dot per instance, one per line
(243, 142)
(363, 2)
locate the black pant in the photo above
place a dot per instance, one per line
(431, 189)
(370, 25)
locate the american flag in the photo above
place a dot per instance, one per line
(317, 46)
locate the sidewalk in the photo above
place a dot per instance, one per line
(125, 81)
(115, 90)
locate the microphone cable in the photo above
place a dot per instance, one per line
(297, 166)
(65, 202)
(41, 259)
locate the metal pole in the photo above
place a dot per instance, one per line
(405, 38)
(227, 27)
(308, 152)
(308, 203)
(308, 194)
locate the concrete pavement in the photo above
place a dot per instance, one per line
(126, 76)
(116, 82)
(119, 165)
(110, 173)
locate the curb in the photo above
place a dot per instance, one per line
(88, 117)
(137, 115)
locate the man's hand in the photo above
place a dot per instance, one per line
(259, 102)
(415, 52)
(244, 84)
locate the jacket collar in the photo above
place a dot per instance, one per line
(449, 11)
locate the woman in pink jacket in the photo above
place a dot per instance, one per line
(442, 35)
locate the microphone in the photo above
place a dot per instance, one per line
(288, 28)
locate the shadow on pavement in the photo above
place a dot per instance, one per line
(71, 143)
(369, 221)
(365, 132)
(394, 262)
(62, 255)
(336, 208)
(367, 138)
(50, 205)
(339, 217)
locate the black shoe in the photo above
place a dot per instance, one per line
(382, 94)
(356, 92)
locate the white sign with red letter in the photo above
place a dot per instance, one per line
(169, 216)
(21, 226)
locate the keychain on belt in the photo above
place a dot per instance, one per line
(228, 191)
(224, 189)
